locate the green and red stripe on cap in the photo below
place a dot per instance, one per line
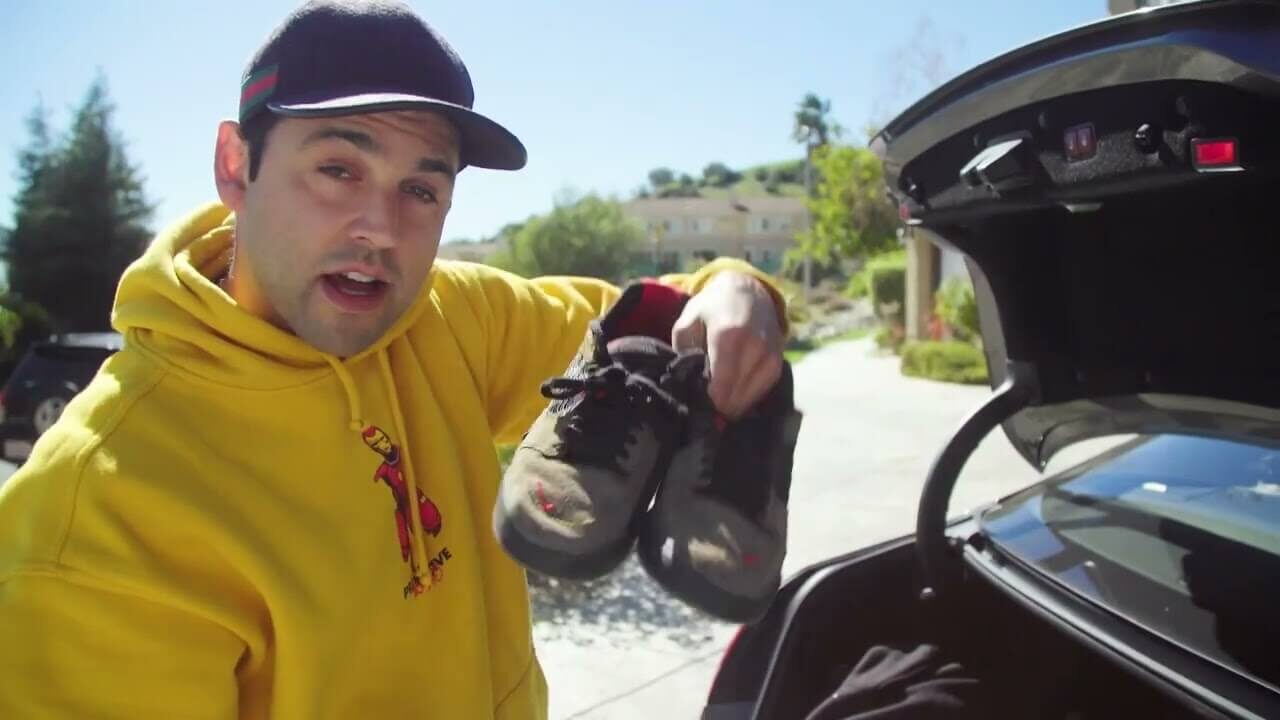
(257, 88)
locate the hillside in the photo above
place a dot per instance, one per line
(784, 179)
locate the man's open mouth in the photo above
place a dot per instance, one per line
(353, 291)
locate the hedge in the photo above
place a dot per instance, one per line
(887, 281)
(956, 304)
(947, 361)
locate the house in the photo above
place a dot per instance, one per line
(1115, 7)
(470, 251)
(684, 230)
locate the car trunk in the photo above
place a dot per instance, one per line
(1026, 667)
(1111, 191)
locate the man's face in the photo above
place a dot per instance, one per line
(338, 231)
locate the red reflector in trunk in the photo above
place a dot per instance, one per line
(1214, 153)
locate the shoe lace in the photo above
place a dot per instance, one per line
(604, 421)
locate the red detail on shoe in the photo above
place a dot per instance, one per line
(601, 394)
(656, 313)
(721, 422)
(750, 560)
(547, 506)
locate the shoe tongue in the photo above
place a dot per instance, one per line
(645, 308)
(642, 354)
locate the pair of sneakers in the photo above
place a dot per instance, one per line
(631, 448)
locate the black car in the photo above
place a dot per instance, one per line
(1112, 190)
(44, 381)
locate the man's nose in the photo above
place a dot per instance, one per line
(377, 224)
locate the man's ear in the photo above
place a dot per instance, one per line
(231, 165)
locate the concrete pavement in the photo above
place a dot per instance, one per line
(621, 648)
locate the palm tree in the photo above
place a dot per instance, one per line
(811, 126)
(813, 129)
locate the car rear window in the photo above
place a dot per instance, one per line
(1178, 534)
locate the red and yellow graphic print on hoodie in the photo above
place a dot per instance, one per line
(228, 523)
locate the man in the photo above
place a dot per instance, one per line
(205, 533)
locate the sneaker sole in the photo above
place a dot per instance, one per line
(563, 564)
(692, 588)
(556, 563)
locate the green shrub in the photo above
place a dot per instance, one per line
(956, 305)
(858, 287)
(21, 324)
(947, 361)
(890, 337)
(887, 282)
(505, 453)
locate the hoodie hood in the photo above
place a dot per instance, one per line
(170, 306)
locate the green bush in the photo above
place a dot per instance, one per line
(858, 287)
(505, 453)
(23, 323)
(948, 361)
(887, 282)
(956, 305)
(890, 337)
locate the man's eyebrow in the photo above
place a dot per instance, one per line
(434, 165)
(363, 141)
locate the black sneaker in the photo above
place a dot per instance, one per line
(580, 480)
(717, 533)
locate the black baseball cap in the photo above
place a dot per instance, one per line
(348, 57)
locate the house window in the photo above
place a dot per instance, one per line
(705, 225)
(746, 255)
(766, 258)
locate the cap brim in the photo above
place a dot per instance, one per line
(485, 143)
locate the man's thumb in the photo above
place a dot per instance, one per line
(689, 335)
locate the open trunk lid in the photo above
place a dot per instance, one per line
(1112, 189)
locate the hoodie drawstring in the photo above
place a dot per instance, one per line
(421, 572)
(349, 388)
(422, 579)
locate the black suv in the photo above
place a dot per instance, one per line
(49, 375)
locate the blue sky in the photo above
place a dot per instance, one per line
(600, 91)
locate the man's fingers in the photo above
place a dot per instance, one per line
(689, 335)
(756, 383)
(732, 354)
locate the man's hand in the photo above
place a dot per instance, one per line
(735, 319)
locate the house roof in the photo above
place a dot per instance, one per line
(715, 207)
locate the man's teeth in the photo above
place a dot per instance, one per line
(359, 277)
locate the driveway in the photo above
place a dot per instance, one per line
(621, 648)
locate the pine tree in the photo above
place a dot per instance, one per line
(81, 217)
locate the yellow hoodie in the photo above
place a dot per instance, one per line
(228, 523)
